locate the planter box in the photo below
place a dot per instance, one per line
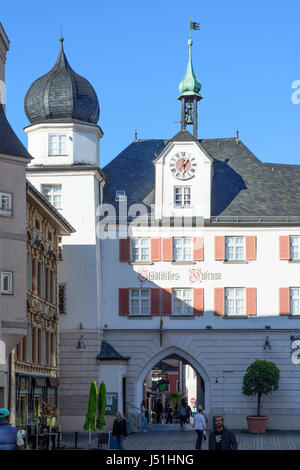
(257, 424)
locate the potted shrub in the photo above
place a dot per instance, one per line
(261, 378)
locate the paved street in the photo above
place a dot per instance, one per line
(171, 437)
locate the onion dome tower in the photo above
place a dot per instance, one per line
(189, 88)
(61, 94)
(63, 111)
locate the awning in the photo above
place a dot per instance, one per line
(53, 382)
(40, 382)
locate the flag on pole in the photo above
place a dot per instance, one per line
(194, 25)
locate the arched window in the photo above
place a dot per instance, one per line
(33, 275)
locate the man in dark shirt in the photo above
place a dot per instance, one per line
(119, 431)
(222, 438)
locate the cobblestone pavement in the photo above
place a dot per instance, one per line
(171, 437)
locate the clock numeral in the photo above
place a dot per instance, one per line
(173, 170)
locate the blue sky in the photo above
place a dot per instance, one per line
(246, 55)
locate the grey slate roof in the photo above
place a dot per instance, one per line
(242, 185)
(9, 142)
(61, 94)
(107, 352)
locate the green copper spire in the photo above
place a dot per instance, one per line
(190, 85)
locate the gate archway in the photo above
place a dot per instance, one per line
(182, 355)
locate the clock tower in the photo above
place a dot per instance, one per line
(184, 170)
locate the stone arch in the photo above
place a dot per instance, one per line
(162, 355)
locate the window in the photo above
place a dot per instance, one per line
(120, 195)
(182, 196)
(62, 298)
(57, 144)
(5, 204)
(235, 248)
(52, 192)
(295, 300)
(140, 249)
(182, 249)
(139, 302)
(6, 282)
(295, 247)
(235, 301)
(182, 302)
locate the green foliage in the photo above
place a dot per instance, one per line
(101, 406)
(92, 407)
(261, 378)
(175, 398)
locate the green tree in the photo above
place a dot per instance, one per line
(261, 378)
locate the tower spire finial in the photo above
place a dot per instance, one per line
(189, 88)
(61, 36)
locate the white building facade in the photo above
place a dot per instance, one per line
(200, 261)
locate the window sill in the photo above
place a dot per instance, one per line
(6, 293)
(181, 317)
(235, 262)
(5, 213)
(183, 262)
(237, 317)
(140, 263)
(134, 317)
(59, 155)
(294, 261)
(292, 317)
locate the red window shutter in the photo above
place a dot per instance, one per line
(167, 249)
(219, 248)
(198, 301)
(124, 249)
(219, 301)
(123, 302)
(198, 249)
(251, 301)
(155, 249)
(284, 247)
(167, 302)
(284, 301)
(251, 248)
(155, 302)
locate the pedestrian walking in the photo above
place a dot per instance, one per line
(143, 415)
(188, 413)
(203, 412)
(222, 438)
(200, 427)
(10, 437)
(182, 411)
(168, 413)
(119, 431)
(158, 410)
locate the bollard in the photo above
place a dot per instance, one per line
(76, 439)
(58, 439)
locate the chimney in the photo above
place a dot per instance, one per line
(4, 47)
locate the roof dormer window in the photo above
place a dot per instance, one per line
(57, 144)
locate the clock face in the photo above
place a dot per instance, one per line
(183, 165)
